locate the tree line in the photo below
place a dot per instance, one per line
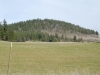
(47, 30)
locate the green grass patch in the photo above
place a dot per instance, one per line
(37, 58)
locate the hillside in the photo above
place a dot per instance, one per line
(50, 30)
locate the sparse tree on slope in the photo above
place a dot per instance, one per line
(74, 39)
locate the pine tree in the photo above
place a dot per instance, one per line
(10, 35)
(4, 31)
(5, 25)
(97, 33)
(0, 30)
(74, 39)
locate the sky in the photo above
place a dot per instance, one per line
(85, 13)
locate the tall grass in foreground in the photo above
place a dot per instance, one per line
(57, 73)
(51, 58)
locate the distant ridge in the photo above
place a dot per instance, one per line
(50, 30)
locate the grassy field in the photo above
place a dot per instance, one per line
(37, 58)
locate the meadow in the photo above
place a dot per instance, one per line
(53, 58)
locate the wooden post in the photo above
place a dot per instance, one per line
(9, 59)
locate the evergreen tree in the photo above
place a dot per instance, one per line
(4, 31)
(74, 39)
(97, 33)
(0, 30)
(5, 25)
(10, 35)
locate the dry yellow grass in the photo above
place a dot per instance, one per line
(50, 58)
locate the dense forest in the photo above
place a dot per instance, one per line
(47, 30)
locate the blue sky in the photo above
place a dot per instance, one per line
(85, 13)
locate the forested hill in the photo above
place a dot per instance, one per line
(50, 30)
